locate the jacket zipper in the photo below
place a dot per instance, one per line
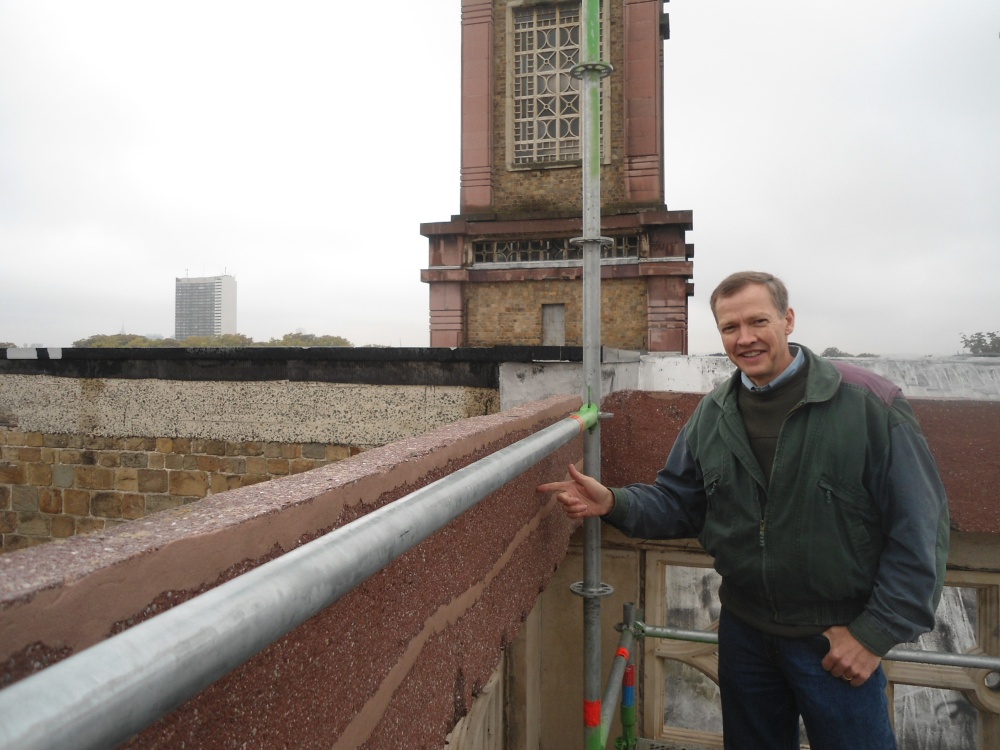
(791, 411)
(763, 522)
(763, 552)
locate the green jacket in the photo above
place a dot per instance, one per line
(852, 529)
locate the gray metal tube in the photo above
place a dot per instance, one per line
(103, 695)
(945, 658)
(612, 690)
(677, 634)
(942, 658)
(590, 136)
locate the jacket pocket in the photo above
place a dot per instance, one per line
(730, 530)
(839, 543)
(711, 481)
(716, 522)
(860, 519)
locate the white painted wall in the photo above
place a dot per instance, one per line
(968, 378)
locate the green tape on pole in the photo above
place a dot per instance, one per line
(589, 414)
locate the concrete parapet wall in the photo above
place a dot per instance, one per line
(943, 378)
(91, 438)
(972, 378)
(276, 411)
(396, 663)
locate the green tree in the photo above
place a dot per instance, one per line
(832, 351)
(224, 341)
(308, 339)
(7, 345)
(113, 341)
(982, 344)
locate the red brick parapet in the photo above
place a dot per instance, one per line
(418, 640)
(963, 436)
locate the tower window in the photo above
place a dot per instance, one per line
(556, 249)
(545, 106)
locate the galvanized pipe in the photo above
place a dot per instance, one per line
(590, 137)
(945, 658)
(918, 656)
(105, 694)
(622, 657)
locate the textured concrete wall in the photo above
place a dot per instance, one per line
(394, 664)
(267, 411)
(92, 438)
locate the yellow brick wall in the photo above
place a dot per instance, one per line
(508, 313)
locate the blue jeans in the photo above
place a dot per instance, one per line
(767, 682)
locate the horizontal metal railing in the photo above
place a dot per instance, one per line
(919, 656)
(105, 694)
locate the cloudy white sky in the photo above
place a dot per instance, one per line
(852, 148)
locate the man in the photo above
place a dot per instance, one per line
(813, 488)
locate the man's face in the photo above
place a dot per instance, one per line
(754, 333)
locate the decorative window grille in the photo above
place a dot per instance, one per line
(530, 251)
(546, 101)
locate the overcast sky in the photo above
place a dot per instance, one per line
(851, 148)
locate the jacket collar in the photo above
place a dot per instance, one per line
(822, 381)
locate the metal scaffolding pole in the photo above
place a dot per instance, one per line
(622, 659)
(589, 72)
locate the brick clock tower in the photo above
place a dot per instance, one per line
(504, 271)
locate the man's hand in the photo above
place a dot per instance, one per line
(581, 496)
(848, 659)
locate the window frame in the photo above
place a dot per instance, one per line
(510, 103)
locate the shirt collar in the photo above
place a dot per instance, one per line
(793, 368)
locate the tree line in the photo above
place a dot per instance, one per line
(983, 343)
(226, 340)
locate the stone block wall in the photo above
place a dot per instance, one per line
(53, 486)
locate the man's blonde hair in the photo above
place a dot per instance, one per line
(737, 281)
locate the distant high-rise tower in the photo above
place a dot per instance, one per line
(506, 269)
(204, 306)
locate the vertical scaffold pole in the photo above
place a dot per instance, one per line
(589, 71)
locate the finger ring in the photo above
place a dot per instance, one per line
(845, 677)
